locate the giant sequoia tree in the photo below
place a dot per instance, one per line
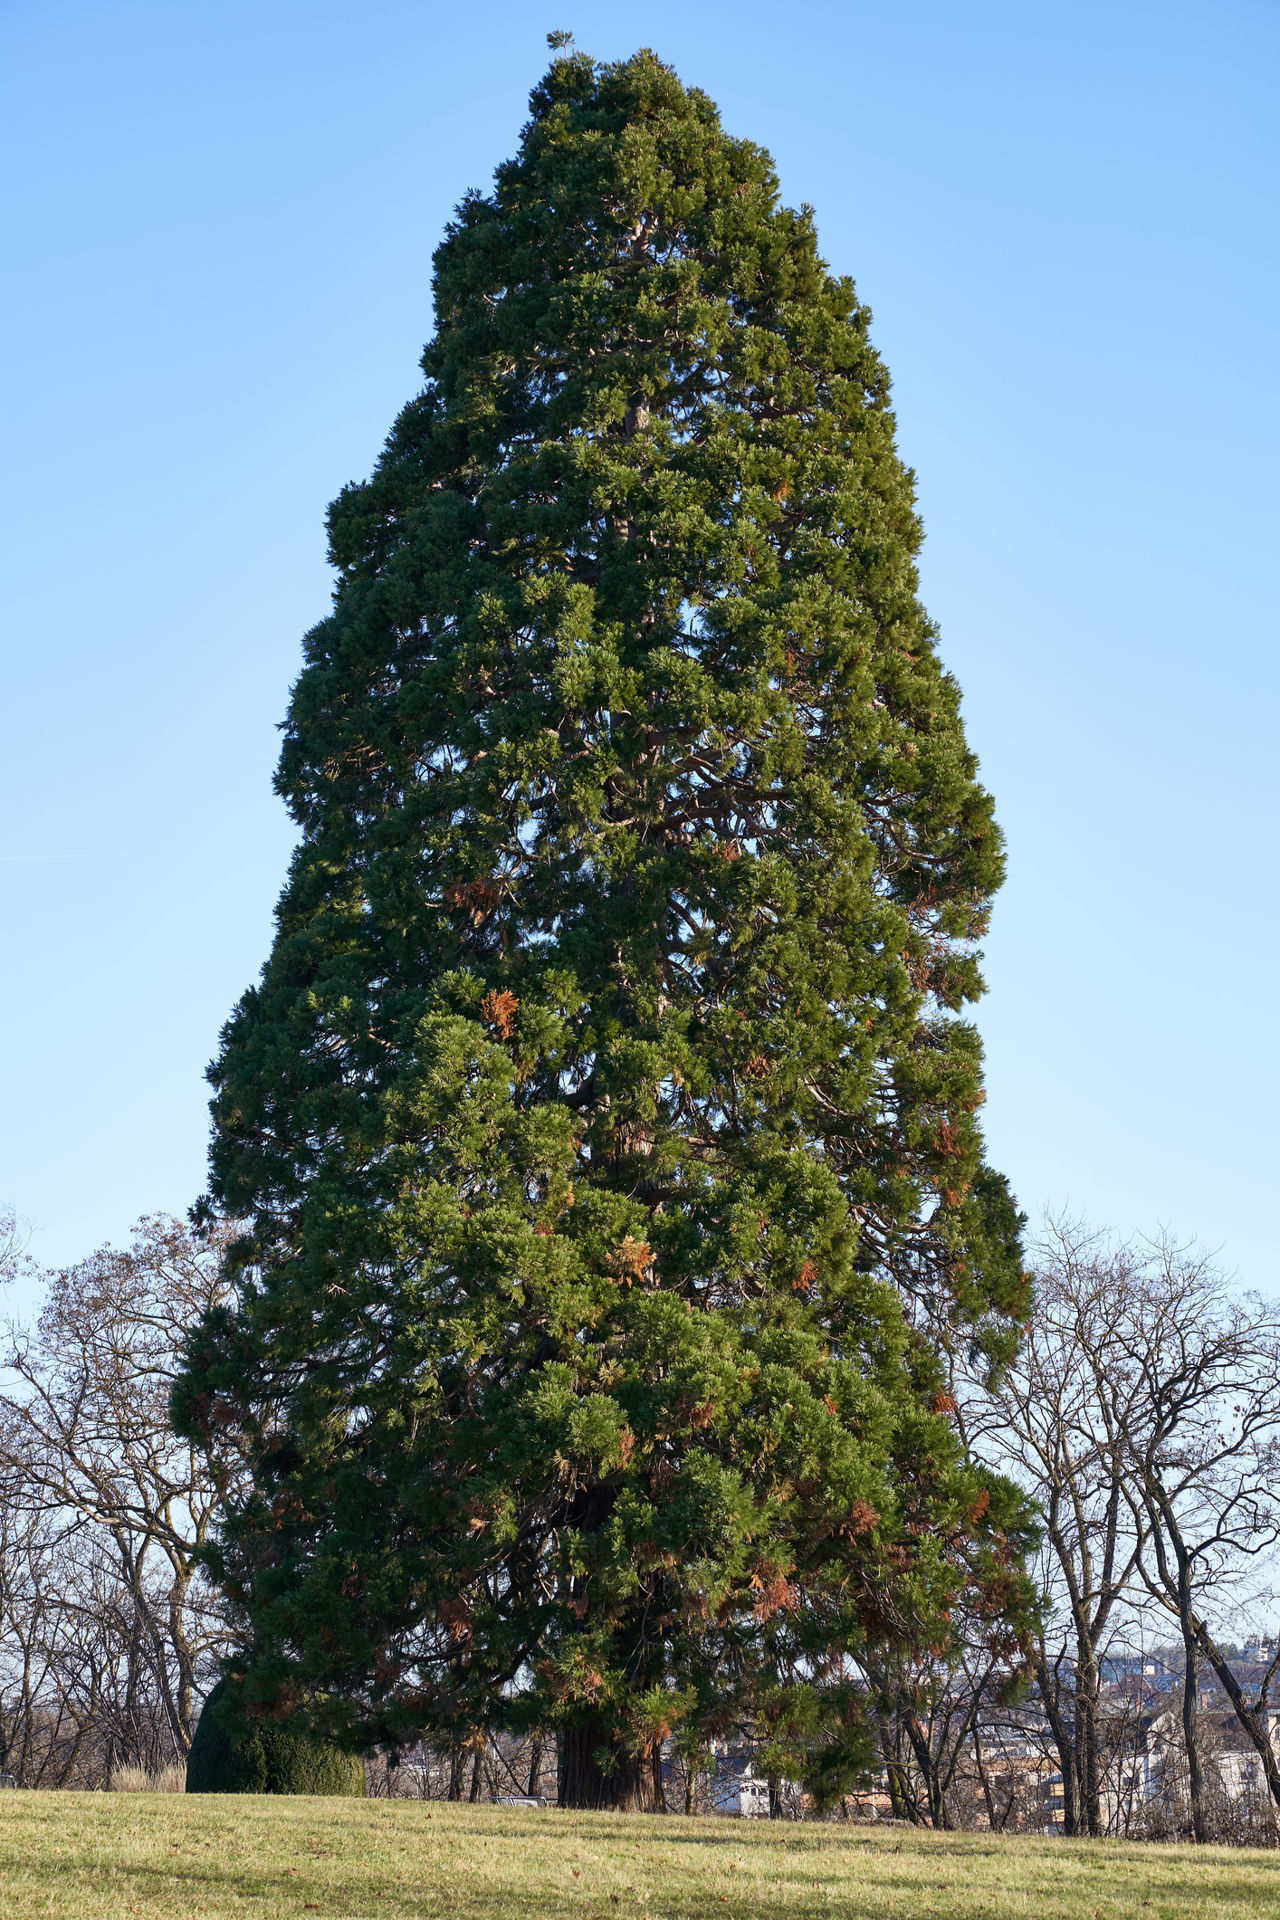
(603, 1122)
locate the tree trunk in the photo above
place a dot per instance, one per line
(535, 1766)
(984, 1780)
(1086, 1730)
(658, 1788)
(922, 1746)
(457, 1761)
(624, 1783)
(1191, 1737)
(475, 1776)
(1050, 1698)
(902, 1803)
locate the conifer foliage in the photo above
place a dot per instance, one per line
(233, 1754)
(604, 1120)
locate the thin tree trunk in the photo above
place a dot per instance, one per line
(987, 1795)
(902, 1803)
(921, 1746)
(1191, 1738)
(1065, 1744)
(535, 1765)
(659, 1789)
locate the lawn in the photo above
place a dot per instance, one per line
(97, 1855)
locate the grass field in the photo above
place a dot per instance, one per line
(94, 1856)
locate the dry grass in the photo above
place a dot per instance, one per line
(107, 1856)
(137, 1780)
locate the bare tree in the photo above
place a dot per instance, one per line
(1058, 1422)
(13, 1241)
(93, 1476)
(44, 1731)
(1143, 1413)
(931, 1715)
(1203, 1471)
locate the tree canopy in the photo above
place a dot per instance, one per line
(605, 1122)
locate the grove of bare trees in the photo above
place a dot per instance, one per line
(109, 1629)
(1143, 1413)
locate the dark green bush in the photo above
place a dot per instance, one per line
(233, 1754)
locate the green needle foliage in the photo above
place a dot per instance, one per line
(603, 1122)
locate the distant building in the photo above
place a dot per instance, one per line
(1233, 1766)
(741, 1793)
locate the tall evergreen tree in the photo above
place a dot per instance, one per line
(604, 1122)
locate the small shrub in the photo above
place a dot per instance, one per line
(233, 1754)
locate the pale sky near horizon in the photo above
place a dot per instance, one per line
(219, 230)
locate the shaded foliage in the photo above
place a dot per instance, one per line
(234, 1754)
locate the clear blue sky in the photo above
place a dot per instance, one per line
(219, 228)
